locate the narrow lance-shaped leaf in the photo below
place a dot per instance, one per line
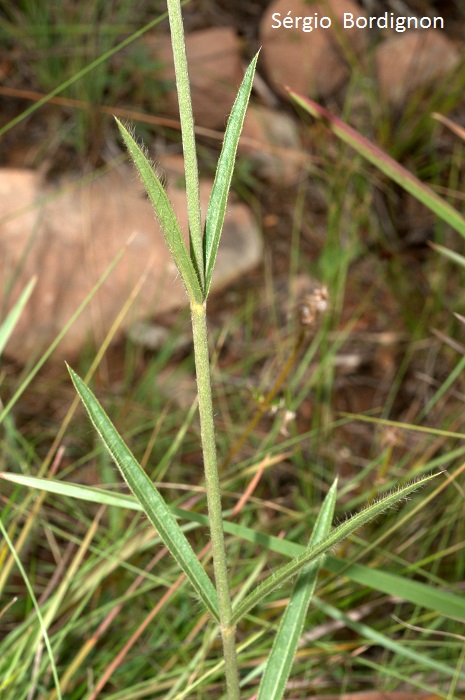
(281, 658)
(286, 572)
(149, 497)
(165, 215)
(219, 195)
(385, 163)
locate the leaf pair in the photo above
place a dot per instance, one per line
(174, 539)
(216, 211)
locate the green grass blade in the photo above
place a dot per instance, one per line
(8, 325)
(35, 602)
(91, 494)
(450, 254)
(148, 496)
(281, 658)
(45, 355)
(219, 195)
(377, 638)
(444, 602)
(165, 215)
(81, 73)
(286, 572)
(385, 163)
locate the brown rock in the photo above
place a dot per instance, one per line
(69, 237)
(310, 62)
(215, 72)
(271, 140)
(412, 61)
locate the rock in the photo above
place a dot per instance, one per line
(152, 336)
(271, 140)
(215, 71)
(310, 62)
(412, 61)
(69, 235)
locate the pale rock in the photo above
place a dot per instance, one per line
(311, 63)
(271, 140)
(69, 235)
(412, 61)
(215, 73)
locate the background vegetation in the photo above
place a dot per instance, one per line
(121, 620)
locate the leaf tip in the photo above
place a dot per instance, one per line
(74, 376)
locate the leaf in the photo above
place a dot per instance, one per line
(281, 658)
(385, 163)
(219, 195)
(149, 498)
(166, 217)
(286, 572)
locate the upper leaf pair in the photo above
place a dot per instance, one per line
(216, 212)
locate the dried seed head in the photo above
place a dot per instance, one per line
(313, 305)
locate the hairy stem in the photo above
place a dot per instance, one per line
(212, 484)
(188, 136)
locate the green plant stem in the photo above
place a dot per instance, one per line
(212, 484)
(188, 136)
